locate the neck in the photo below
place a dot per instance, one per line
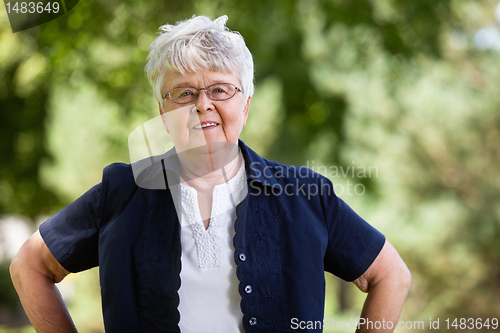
(205, 167)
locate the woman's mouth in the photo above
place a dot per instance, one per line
(206, 125)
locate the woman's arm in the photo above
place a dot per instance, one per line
(387, 282)
(34, 272)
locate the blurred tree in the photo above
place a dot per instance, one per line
(22, 130)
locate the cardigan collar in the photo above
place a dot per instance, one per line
(257, 168)
(152, 173)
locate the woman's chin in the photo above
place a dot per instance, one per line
(217, 154)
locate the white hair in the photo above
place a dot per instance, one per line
(199, 44)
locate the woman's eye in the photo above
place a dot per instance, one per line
(218, 91)
(186, 93)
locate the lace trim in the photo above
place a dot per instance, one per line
(225, 198)
(208, 246)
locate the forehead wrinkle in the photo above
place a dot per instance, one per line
(199, 78)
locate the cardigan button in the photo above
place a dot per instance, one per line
(242, 257)
(253, 321)
(248, 289)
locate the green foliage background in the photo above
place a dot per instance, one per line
(393, 84)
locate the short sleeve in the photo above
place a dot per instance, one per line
(353, 244)
(72, 235)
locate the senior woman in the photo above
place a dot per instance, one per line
(209, 237)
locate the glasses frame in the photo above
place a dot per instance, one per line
(167, 94)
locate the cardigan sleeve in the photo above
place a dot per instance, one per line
(353, 244)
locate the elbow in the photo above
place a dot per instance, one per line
(15, 269)
(12, 269)
(23, 264)
(14, 265)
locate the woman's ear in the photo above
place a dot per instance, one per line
(163, 117)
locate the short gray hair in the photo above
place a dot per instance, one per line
(199, 44)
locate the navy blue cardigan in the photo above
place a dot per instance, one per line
(286, 238)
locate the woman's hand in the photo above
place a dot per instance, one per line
(34, 272)
(387, 282)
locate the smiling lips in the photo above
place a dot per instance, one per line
(206, 125)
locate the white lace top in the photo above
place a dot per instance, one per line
(209, 297)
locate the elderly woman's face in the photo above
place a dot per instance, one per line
(203, 121)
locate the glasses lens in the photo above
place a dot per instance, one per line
(221, 91)
(183, 95)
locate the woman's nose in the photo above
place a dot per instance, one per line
(203, 102)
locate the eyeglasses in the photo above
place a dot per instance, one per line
(216, 92)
